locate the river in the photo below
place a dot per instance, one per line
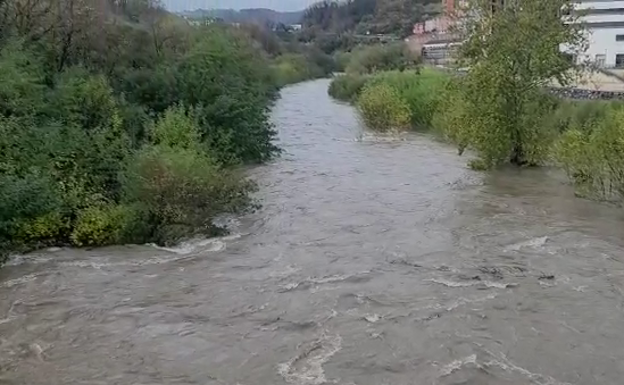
(374, 261)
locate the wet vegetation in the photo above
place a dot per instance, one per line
(123, 123)
(500, 108)
(404, 83)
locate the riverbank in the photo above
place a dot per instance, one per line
(573, 135)
(374, 259)
(138, 140)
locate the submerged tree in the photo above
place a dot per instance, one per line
(513, 50)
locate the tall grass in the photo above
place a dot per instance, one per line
(383, 108)
(375, 58)
(422, 91)
(591, 150)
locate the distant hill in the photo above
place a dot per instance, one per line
(396, 17)
(252, 15)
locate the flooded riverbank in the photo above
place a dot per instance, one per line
(373, 261)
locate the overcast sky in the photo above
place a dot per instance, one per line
(278, 5)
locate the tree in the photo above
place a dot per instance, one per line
(512, 54)
(397, 16)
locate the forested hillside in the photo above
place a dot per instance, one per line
(259, 16)
(368, 16)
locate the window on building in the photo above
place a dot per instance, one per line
(600, 60)
(619, 60)
(619, 37)
(600, 11)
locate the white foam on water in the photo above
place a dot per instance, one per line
(509, 366)
(503, 363)
(287, 271)
(312, 282)
(306, 368)
(380, 137)
(458, 364)
(17, 260)
(290, 286)
(580, 289)
(531, 243)
(18, 281)
(463, 301)
(188, 247)
(498, 285)
(99, 265)
(372, 318)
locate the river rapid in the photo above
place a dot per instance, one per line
(374, 261)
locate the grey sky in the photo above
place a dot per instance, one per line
(278, 5)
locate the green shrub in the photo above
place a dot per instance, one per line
(230, 84)
(292, 68)
(48, 228)
(156, 89)
(83, 100)
(28, 207)
(593, 156)
(101, 225)
(341, 60)
(347, 87)
(478, 118)
(580, 114)
(93, 123)
(421, 90)
(183, 188)
(22, 83)
(177, 128)
(383, 109)
(370, 59)
(323, 63)
(449, 114)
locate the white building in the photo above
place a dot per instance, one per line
(604, 22)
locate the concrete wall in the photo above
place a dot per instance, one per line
(602, 42)
(602, 29)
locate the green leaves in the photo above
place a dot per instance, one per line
(383, 108)
(129, 134)
(381, 58)
(511, 55)
(593, 155)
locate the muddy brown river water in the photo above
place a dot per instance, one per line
(375, 261)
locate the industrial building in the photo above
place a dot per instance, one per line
(604, 23)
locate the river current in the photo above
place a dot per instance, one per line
(374, 261)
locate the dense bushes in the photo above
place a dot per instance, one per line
(176, 183)
(592, 153)
(585, 138)
(421, 91)
(293, 68)
(347, 87)
(129, 133)
(388, 57)
(383, 108)
(494, 133)
(393, 70)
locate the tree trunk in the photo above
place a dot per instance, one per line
(517, 157)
